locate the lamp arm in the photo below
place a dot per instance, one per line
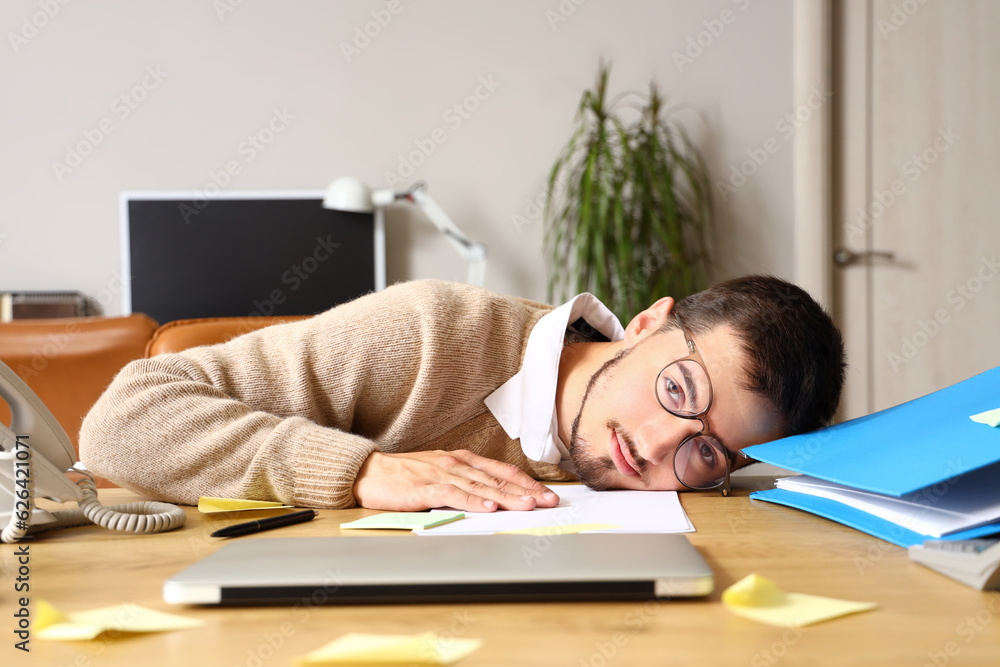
(471, 251)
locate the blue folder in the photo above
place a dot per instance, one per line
(863, 521)
(927, 441)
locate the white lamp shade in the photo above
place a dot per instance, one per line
(348, 194)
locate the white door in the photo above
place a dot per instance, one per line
(917, 195)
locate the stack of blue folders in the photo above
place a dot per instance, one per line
(923, 470)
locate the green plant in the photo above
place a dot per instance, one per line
(629, 206)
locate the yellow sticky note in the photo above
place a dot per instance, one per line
(549, 531)
(50, 623)
(990, 417)
(46, 615)
(208, 504)
(364, 649)
(759, 599)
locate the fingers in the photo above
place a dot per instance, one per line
(472, 490)
(490, 491)
(454, 496)
(471, 496)
(462, 480)
(516, 487)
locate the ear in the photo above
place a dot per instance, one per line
(648, 321)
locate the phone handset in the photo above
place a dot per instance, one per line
(35, 454)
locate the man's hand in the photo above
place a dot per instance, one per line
(460, 479)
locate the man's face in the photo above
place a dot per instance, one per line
(622, 438)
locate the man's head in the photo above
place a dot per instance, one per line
(794, 353)
(774, 359)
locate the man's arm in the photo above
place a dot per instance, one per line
(293, 413)
(171, 428)
(177, 437)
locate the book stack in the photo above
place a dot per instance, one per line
(975, 563)
(926, 470)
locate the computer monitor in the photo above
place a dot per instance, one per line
(241, 254)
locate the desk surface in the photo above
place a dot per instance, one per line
(922, 618)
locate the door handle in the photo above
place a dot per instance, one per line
(845, 257)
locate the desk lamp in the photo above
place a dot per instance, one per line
(350, 194)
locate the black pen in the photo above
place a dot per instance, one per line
(265, 524)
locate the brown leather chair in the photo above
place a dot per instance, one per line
(182, 334)
(69, 362)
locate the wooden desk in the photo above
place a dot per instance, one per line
(923, 618)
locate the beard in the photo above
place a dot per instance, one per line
(593, 471)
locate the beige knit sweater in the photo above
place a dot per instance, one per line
(292, 411)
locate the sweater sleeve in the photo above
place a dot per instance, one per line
(286, 413)
(292, 411)
(167, 429)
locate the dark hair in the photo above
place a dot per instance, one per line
(794, 352)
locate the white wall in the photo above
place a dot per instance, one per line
(223, 73)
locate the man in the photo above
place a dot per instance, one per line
(432, 394)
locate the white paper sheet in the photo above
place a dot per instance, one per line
(628, 511)
(953, 505)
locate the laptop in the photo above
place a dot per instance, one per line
(460, 568)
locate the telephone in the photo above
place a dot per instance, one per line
(35, 455)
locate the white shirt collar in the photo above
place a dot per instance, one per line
(525, 404)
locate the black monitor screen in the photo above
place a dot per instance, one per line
(238, 257)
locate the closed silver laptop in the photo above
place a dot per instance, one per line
(467, 568)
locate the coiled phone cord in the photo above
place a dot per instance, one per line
(139, 517)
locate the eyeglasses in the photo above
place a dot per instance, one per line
(701, 462)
